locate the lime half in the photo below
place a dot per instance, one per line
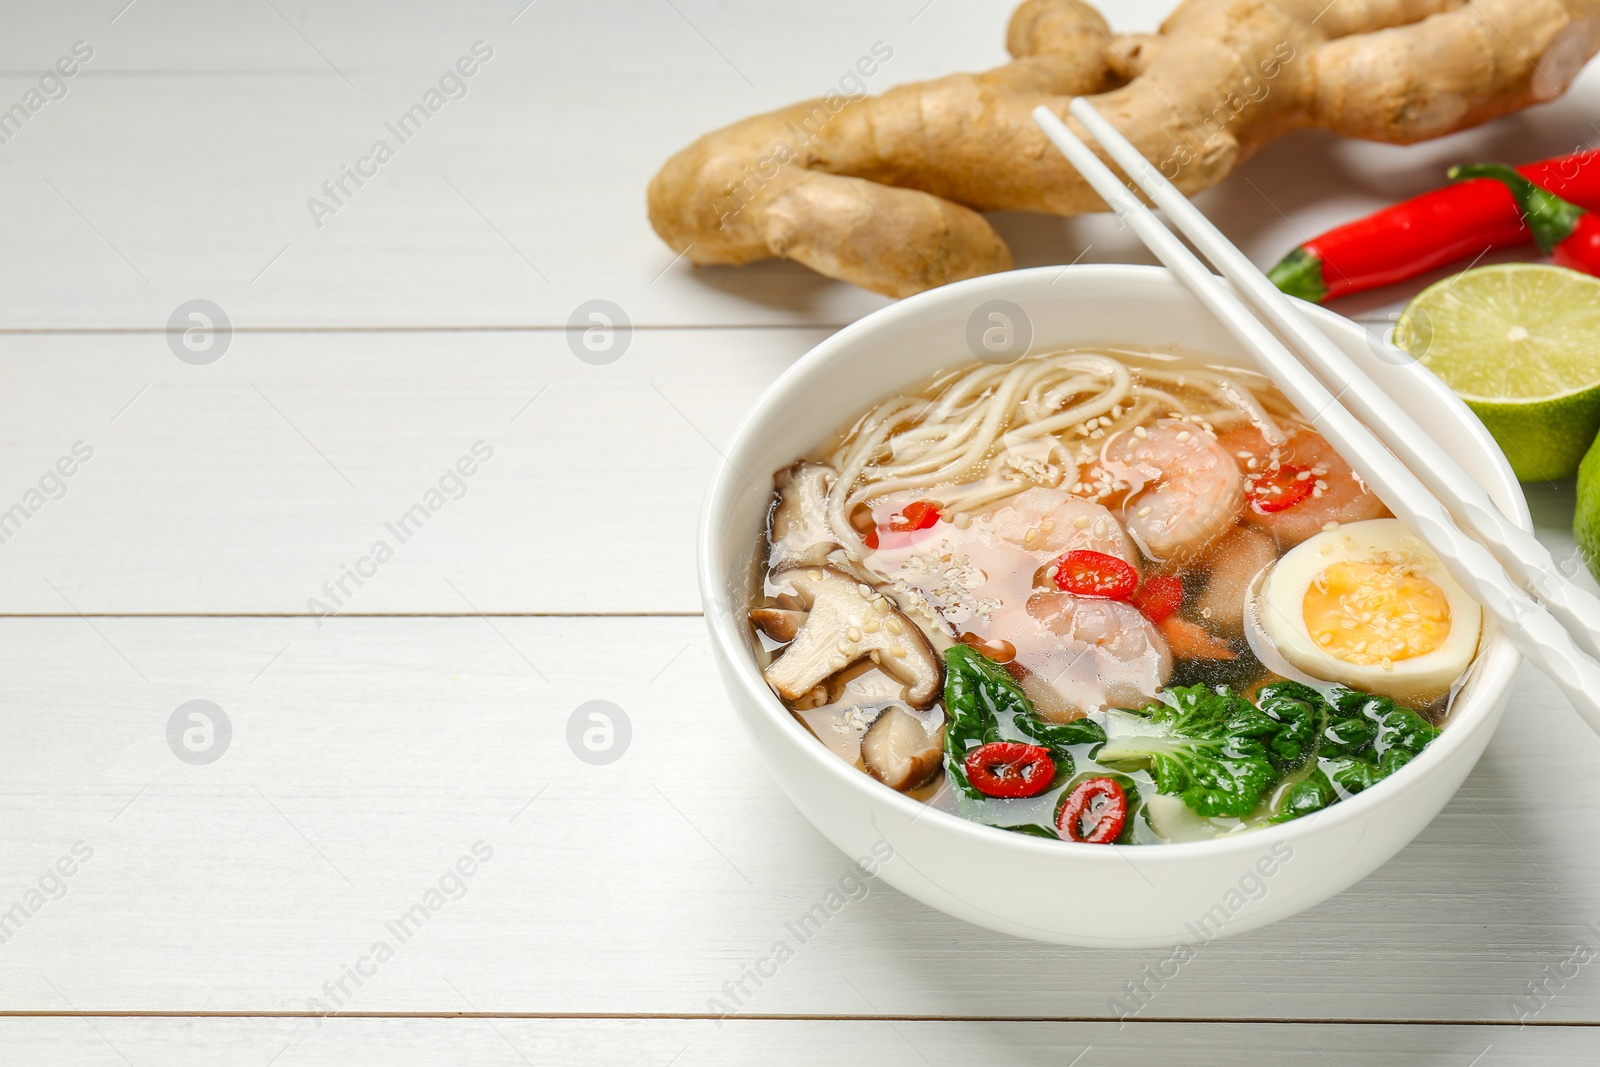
(1520, 343)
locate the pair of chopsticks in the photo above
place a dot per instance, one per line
(1500, 564)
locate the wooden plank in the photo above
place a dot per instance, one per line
(245, 485)
(517, 1042)
(525, 198)
(368, 757)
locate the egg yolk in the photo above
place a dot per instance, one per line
(1375, 613)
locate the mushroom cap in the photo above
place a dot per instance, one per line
(899, 753)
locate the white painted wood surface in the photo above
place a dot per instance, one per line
(369, 755)
(518, 1042)
(371, 752)
(179, 164)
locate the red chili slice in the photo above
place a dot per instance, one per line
(917, 515)
(1159, 597)
(1085, 572)
(1280, 490)
(1010, 769)
(1094, 813)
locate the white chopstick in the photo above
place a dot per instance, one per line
(1532, 628)
(1527, 561)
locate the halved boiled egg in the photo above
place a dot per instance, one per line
(1369, 605)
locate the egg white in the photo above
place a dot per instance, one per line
(1281, 611)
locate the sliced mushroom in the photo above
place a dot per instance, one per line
(800, 533)
(899, 753)
(779, 624)
(846, 620)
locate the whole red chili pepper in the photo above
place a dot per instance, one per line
(1563, 230)
(1429, 231)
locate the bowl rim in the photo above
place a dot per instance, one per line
(1494, 668)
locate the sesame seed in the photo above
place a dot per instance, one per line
(1145, 511)
(1140, 432)
(1184, 435)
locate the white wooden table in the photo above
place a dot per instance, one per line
(213, 908)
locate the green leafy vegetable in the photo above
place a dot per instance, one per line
(1394, 726)
(976, 690)
(1222, 755)
(1209, 747)
(1032, 829)
(1312, 793)
(1370, 737)
(1345, 736)
(1353, 775)
(1300, 712)
(1058, 735)
(984, 703)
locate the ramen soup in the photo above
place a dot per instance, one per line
(1105, 597)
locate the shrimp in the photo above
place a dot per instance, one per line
(1047, 522)
(969, 574)
(1092, 653)
(1232, 564)
(1184, 489)
(1338, 494)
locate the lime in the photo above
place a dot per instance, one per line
(1586, 520)
(1520, 343)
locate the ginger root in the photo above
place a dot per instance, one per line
(885, 191)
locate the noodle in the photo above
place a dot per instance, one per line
(954, 436)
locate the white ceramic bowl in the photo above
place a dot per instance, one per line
(1091, 895)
